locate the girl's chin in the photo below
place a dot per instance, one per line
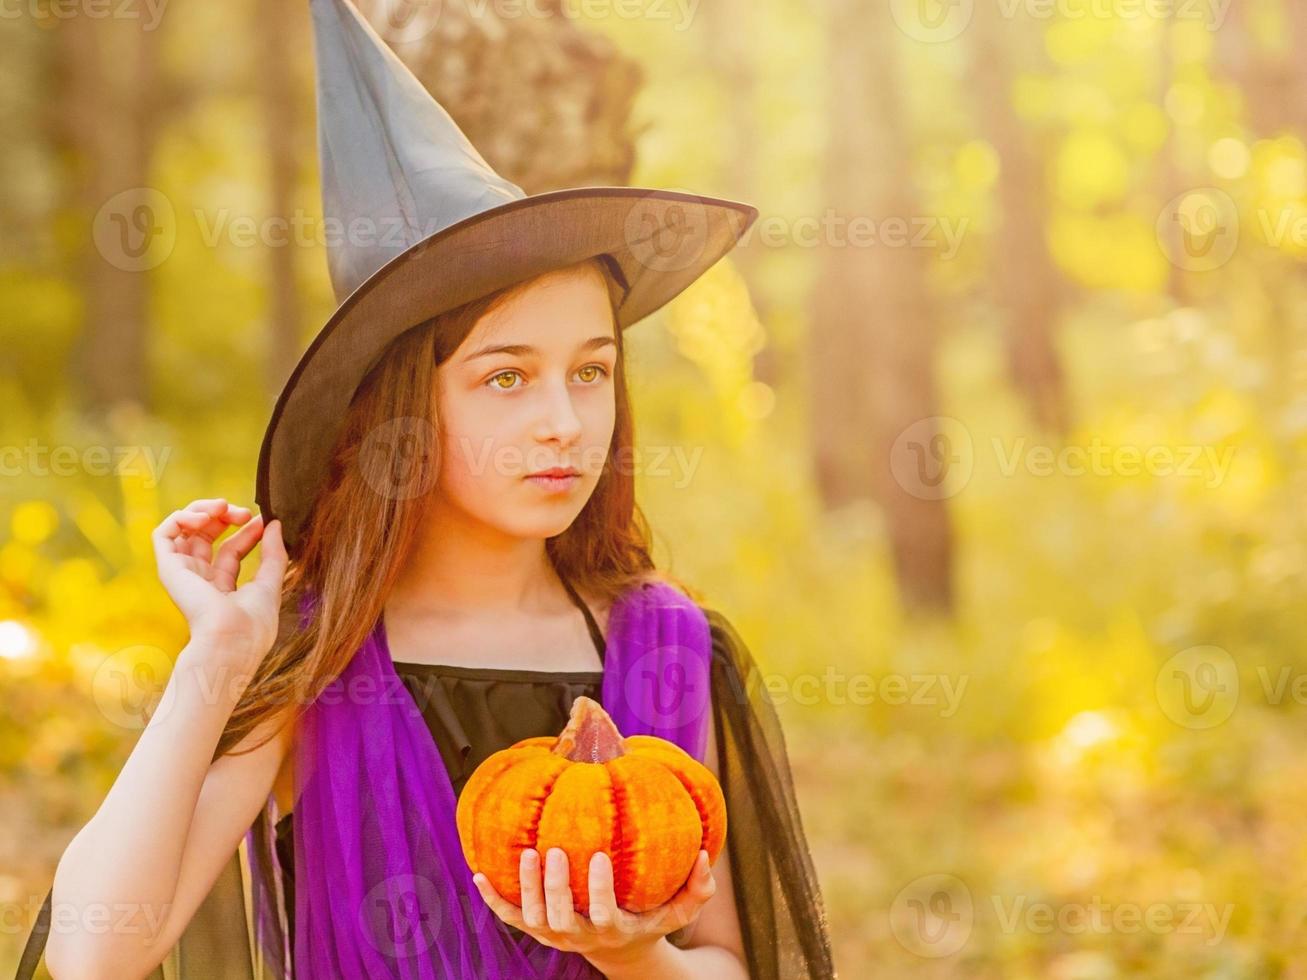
(542, 530)
(544, 517)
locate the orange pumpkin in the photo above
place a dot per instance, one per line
(644, 800)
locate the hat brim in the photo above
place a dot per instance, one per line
(662, 240)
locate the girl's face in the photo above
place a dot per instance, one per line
(530, 389)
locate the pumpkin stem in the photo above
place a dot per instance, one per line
(590, 735)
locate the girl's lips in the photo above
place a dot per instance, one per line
(555, 484)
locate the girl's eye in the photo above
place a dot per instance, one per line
(494, 381)
(603, 371)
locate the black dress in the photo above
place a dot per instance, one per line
(475, 712)
(472, 713)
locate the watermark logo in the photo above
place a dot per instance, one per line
(938, 21)
(397, 458)
(37, 459)
(135, 230)
(668, 686)
(400, 916)
(405, 21)
(91, 918)
(932, 916)
(1019, 914)
(932, 21)
(1099, 458)
(942, 692)
(666, 235)
(47, 13)
(831, 229)
(1198, 230)
(933, 458)
(676, 463)
(1211, 13)
(1199, 687)
(130, 686)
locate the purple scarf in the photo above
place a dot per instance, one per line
(382, 889)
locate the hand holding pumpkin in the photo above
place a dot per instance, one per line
(630, 824)
(610, 932)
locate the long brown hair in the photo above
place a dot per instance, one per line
(381, 471)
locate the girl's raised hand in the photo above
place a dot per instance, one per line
(202, 584)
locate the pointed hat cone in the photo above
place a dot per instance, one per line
(391, 156)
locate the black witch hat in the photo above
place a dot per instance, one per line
(418, 223)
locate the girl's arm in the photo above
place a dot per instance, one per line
(131, 880)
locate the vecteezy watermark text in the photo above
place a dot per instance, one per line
(38, 459)
(934, 458)
(148, 12)
(934, 916)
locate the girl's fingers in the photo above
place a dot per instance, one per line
(702, 885)
(603, 899)
(558, 891)
(533, 900)
(210, 527)
(192, 540)
(190, 520)
(687, 902)
(210, 518)
(210, 505)
(236, 547)
(272, 558)
(200, 519)
(165, 537)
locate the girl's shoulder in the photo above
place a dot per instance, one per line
(666, 590)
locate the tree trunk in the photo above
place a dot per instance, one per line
(546, 101)
(109, 75)
(1266, 82)
(274, 25)
(1026, 282)
(729, 48)
(873, 335)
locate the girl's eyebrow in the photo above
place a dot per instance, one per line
(525, 350)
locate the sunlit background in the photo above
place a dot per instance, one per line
(992, 431)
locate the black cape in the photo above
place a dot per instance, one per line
(782, 915)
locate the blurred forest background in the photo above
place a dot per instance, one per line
(997, 417)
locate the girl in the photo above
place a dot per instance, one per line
(473, 587)
(454, 513)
